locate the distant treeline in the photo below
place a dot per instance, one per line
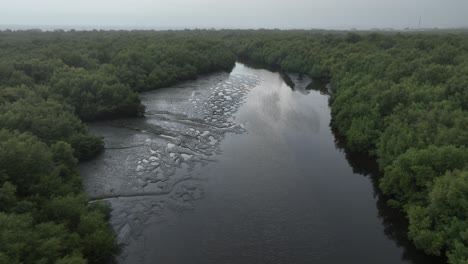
(403, 98)
(49, 83)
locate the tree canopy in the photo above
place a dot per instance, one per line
(402, 97)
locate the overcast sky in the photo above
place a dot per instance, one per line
(329, 14)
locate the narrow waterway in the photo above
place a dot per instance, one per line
(242, 168)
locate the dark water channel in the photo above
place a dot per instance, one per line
(242, 168)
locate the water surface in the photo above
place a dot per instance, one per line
(242, 168)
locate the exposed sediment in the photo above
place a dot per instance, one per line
(149, 163)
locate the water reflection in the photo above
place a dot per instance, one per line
(283, 190)
(394, 222)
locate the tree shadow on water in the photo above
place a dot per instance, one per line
(394, 221)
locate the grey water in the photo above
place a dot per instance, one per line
(242, 168)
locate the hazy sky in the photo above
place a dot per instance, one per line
(338, 14)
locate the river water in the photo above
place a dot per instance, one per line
(242, 168)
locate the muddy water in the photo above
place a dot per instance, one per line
(241, 168)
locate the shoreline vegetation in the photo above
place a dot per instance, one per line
(401, 97)
(49, 84)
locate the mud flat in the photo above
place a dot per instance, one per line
(150, 163)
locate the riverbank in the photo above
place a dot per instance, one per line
(269, 183)
(397, 98)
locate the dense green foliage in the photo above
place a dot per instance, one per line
(404, 99)
(49, 83)
(401, 97)
(51, 121)
(99, 73)
(44, 216)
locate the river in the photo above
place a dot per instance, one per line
(241, 167)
